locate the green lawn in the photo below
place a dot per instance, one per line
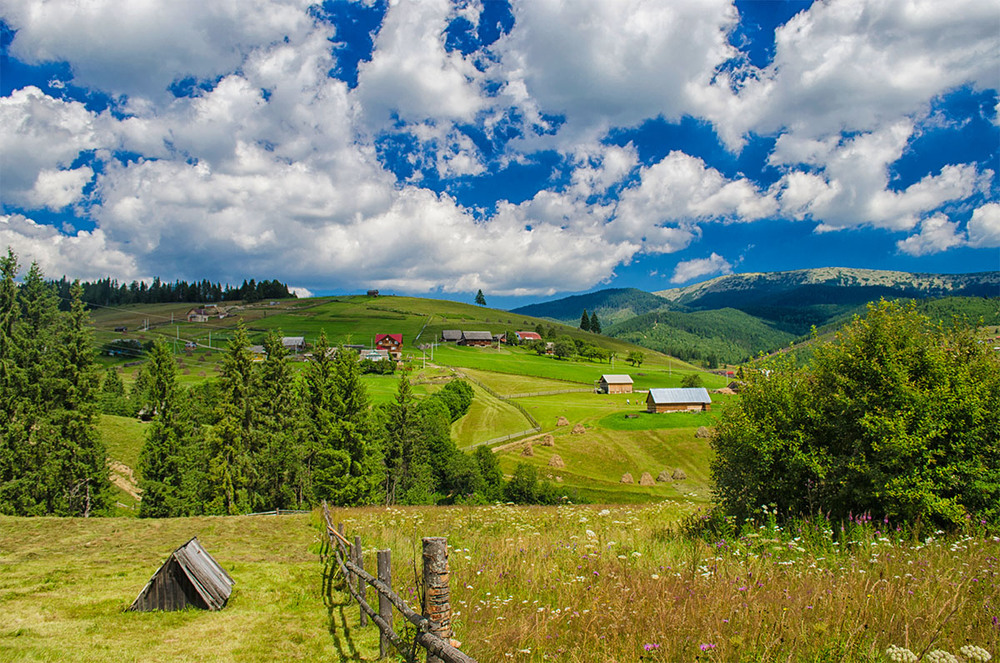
(488, 418)
(65, 583)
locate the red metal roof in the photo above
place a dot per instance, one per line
(397, 338)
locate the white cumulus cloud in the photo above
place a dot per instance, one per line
(690, 270)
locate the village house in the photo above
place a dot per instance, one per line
(695, 399)
(203, 313)
(293, 343)
(451, 336)
(375, 354)
(615, 384)
(524, 336)
(391, 343)
(476, 338)
(257, 353)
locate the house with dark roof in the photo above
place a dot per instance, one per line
(451, 336)
(694, 399)
(476, 338)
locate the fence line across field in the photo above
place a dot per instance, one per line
(433, 628)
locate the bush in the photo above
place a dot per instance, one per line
(895, 418)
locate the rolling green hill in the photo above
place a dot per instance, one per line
(611, 305)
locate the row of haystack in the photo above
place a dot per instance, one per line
(647, 479)
(577, 429)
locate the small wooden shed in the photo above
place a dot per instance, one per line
(678, 400)
(615, 384)
(189, 578)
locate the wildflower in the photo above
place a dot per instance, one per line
(973, 653)
(941, 656)
(900, 654)
(652, 646)
(706, 646)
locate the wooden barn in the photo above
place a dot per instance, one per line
(678, 400)
(615, 384)
(189, 578)
(478, 338)
(451, 335)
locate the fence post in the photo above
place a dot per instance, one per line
(359, 560)
(384, 606)
(437, 595)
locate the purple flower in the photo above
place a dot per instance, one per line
(706, 646)
(651, 646)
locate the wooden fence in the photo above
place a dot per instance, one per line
(505, 438)
(434, 631)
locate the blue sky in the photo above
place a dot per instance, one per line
(530, 149)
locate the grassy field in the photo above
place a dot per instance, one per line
(571, 583)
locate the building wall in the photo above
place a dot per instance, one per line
(677, 407)
(619, 389)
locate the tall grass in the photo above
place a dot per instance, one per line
(622, 583)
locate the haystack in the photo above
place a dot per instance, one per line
(579, 429)
(703, 432)
(548, 441)
(556, 461)
(726, 390)
(563, 421)
(679, 475)
(527, 450)
(646, 479)
(627, 478)
(663, 476)
(558, 479)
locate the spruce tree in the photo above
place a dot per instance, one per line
(13, 489)
(232, 442)
(480, 298)
(279, 457)
(318, 391)
(408, 472)
(595, 324)
(160, 459)
(585, 321)
(77, 461)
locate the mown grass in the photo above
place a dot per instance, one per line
(65, 583)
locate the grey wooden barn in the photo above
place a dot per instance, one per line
(189, 577)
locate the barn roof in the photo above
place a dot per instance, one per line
(617, 379)
(529, 336)
(477, 336)
(451, 334)
(677, 396)
(190, 576)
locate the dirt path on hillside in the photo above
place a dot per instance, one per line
(123, 477)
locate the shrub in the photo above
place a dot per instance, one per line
(895, 418)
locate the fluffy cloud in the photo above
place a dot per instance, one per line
(677, 192)
(40, 138)
(412, 75)
(690, 270)
(936, 234)
(984, 226)
(83, 255)
(615, 63)
(142, 50)
(856, 65)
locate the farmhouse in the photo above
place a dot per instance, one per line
(451, 336)
(257, 353)
(476, 338)
(377, 354)
(678, 400)
(615, 384)
(528, 336)
(203, 313)
(391, 343)
(293, 343)
(189, 578)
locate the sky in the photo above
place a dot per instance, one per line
(529, 149)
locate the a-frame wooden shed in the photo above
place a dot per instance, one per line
(189, 577)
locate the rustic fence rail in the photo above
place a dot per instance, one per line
(433, 628)
(506, 438)
(278, 512)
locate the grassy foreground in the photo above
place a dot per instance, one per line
(569, 583)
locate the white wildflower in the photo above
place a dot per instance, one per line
(900, 654)
(974, 653)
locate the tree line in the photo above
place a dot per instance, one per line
(260, 437)
(109, 292)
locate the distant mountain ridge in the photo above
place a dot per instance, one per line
(918, 285)
(756, 312)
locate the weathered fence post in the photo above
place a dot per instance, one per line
(359, 560)
(384, 606)
(344, 550)
(437, 595)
